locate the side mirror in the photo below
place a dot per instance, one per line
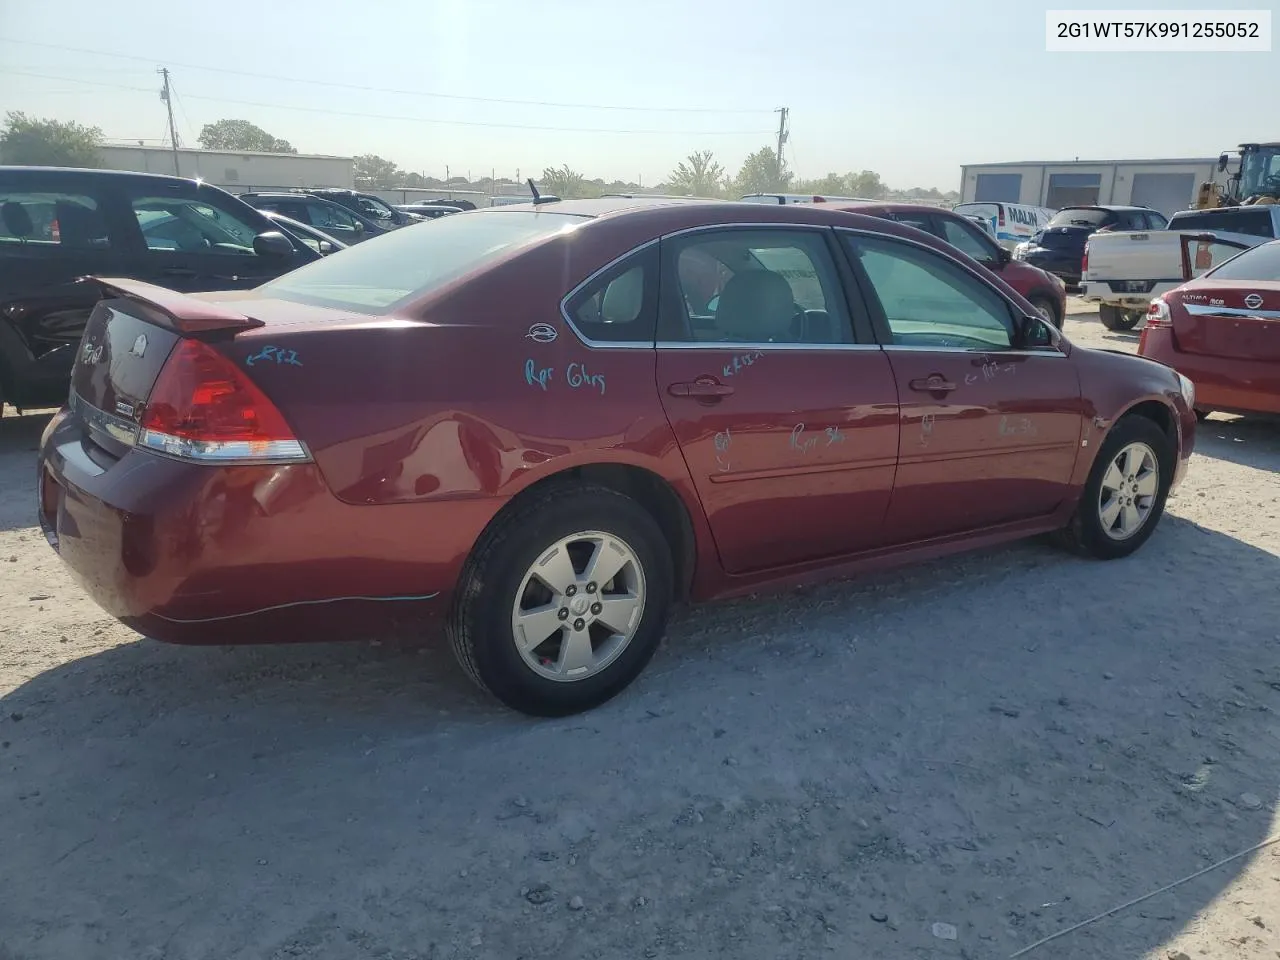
(326, 248)
(1035, 331)
(359, 227)
(1003, 256)
(272, 243)
(1222, 163)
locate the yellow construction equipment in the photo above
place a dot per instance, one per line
(1255, 180)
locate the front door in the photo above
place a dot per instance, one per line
(787, 417)
(990, 432)
(193, 241)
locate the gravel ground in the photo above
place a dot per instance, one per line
(952, 761)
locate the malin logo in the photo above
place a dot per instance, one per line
(542, 333)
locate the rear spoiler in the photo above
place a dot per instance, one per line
(168, 308)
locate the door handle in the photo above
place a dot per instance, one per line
(703, 389)
(934, 383)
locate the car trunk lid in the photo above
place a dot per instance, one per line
(1064, 238)
(1233, 322)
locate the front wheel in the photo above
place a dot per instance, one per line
(1115, 318)
(564, 601)
(1125, 494)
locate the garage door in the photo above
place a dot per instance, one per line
(999, 187)
(1166, 192)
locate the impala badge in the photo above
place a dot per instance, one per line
(542, 333)
(139, 346)
(1253, 301)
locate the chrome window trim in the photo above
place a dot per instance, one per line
(1204, 310)
(737, 346)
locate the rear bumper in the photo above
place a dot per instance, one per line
(1116, 292)
(1068, 268)
(259, 554)
(1226, 385)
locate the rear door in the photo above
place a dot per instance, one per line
(53, 230)
(989, 432)
(189, 239)
(785, 409)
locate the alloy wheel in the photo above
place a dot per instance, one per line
(1129, 490)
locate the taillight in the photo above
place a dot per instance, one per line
(1000, 215)
(1158, 314)
(1084, 261)
(204, 408)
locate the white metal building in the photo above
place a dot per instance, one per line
(235, 171)
(1164, 185)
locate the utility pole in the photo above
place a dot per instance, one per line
(173, 133)
(782, 138)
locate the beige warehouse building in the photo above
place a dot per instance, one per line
(1164, 185)
(235, 171)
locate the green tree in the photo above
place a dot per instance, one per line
(762, 173)
(563, 183)
(48, 143)
(866, 184)
(373, 171)
(241, 135)
(698, 175)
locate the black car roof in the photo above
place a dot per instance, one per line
(79, 172)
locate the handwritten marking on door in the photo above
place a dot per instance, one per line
(834, 435)
(741, 362)
(537, 376)
(799, 441)
(576, 375)
(278, 354)
(722, 442)
(926, 429)
(1017, 427)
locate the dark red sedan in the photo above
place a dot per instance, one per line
(547, 424)
(1045, 291)
(1222, 330)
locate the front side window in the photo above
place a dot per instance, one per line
(929, 301)
(753, 286)
(326, 215)
(374, 209)
(191, 225)
(43, 220)
(382, 275)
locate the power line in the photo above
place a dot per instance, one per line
(388, 116)
(412, 93)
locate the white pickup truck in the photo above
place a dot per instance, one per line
(1124, 271)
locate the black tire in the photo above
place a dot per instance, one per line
(1085, 533)
(479, 625)
(1045, 306)
(1114, 318)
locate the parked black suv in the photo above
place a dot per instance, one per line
(332, 218)
(1059, 246)
(59, 224)
(367, 205)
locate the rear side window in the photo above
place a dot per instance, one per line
(381, 274)
(620, 305)
(967, 239)
(50, 221)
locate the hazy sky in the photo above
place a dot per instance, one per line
(911, 89)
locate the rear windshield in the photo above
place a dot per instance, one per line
(1257, 263)
(381, 274)
(1079, 217)
(1256, 223)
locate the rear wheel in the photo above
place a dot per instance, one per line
(564, 601)
(1125, 494)
(1115, 318)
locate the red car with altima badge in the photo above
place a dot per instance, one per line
(545, 424)
(1222, 330)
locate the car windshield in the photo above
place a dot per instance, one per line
(1079, 217)
(381, 274)
(1257, 263)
